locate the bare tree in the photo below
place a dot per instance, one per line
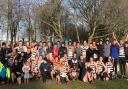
(10, 20)
(115, 16)
(75, 16)
(52, 15)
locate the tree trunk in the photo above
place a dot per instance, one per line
(10, 22)
(7, 39)
(90, 39)
(15, 33)
(11, 38)
(92, 35)
(78, 38)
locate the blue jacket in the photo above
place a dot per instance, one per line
(3, 73)
(42, 52)
(114, 49)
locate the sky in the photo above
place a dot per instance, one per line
(22, 33)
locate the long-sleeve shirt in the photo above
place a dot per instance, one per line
(114, 49)
(106, 50)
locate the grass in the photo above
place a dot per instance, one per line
(114, 84)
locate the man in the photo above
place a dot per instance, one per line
(70, 51)
(95, 50)
(16, 72)
(84, 48)
(122, 60)
(49, 48)
(89, 53)
(74, 61)
(82, 71)
(63, 50)
(59, 44)
(20, 49)
(44, 69)
(100, 48)
(114, 50)
(41, 50)
(3, 53)
(126, 52)
(106, 50)
(78, 50)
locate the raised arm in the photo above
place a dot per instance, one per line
(126, 39)
(114, 36)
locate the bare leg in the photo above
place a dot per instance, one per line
(89, 76)
(85, 79)
(94, 76)
(13, 77)
(58, 79)
(67, 79)
(27, 80)
(19, 80)
(52, 74)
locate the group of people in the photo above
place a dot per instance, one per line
(64, 60)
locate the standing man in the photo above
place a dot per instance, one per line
(89, 53)
(100, 48)
(3, 53)
(106, 50)
(78, 50)
(114, 50)
(70, 51)
(122, 59)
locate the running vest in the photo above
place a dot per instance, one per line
(10, 60)
(42, 52)
(33, 55)
(20, 50)
(92, 66)
(110, 68)
(100, 67)
(70, 53)
(74, 61)
(121, 52)
(84, 49)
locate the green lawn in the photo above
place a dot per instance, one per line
(115, 84)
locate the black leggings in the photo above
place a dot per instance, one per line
(44, 76)
(115, 65)
(122, 63)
